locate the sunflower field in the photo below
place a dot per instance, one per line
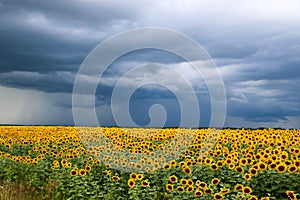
(57, 162)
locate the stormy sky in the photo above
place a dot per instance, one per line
(254, 44)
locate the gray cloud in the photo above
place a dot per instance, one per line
(255, 45)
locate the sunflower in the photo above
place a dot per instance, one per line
(74, 172)
(198, 193)
(228, 161)
(292, 169)
(199, 160)
(183, 181)
(180, 189)
(96, 162)
(169, 187)
(131, 183)
(297, 163)
(173, 179)
(253, 172)
(208, 191)
(138, 166)
(276, 151)
(231, 166)
(115, 178)
(247, 190)
(133, 176)
(249, 161)
(220, 163)
(225, 190)
(208, 161)
(88, 167)
(239, 169)
(247, 176)
(190, 188)
(173, 163)
(63, 162)
(202, 185)
(55, 163)
(243, 161)
(198, 182)
(145, 183)
(215, 181)
(167, 167)
(82, 172)
(140, 177)
(187, 170)
(68, 165)
(238, 187)
(190, 182)
(106, 173)
(262, 166)
(218, 196)
(284, 155)
(214, 166)
(291, 195)
(273, 157)
(281, 168)
(272, 166)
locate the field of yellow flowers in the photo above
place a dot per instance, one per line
(59, 162)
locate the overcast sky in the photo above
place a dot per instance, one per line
(255, 45)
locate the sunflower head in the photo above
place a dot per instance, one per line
(82, 172)
(190, 188)
(253, 197)
(173, 179)
(183, 182)
(292, 169)
(247, 176)
(247, 190)
(214, 166)
(215, 181)
(115, 178)
(239, 169)
(190, 182)
(133, 176)
(180, 189)
(281, 168)
(291, 194)
(74, 172)
(169, 187)
(187, 170)
(225, 190)
(253, 171)
(139, 177)
(131, 183)
(202, 185)
(262, 166)
(218, 196)
(208, 191)
(145, 183)
(198, 193)
(238, 187)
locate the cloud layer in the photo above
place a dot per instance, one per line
(255, 45)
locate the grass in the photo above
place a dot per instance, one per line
(18, 191)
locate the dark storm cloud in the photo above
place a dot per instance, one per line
(47, 37)
(48, 82)
(77, 13)
(255, 45)
(28, 48)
